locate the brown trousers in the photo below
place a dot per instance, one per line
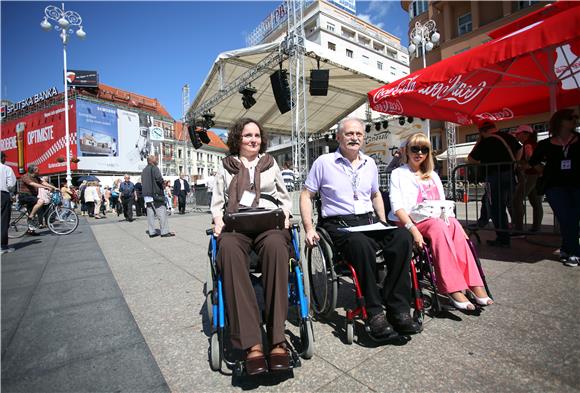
(273, 249)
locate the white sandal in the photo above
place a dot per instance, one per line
(483, 301)
(462, 305)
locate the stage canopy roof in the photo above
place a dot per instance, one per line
(346, 92)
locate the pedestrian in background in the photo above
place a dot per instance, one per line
(288, 176)
(154, 198)
(558, 159)
(127, 194)
(82, 200)
(210, 184)
(7, 183)
(66, 194)
(181, 189)
(116, 204)
(139, 203)
(496, 147)
(527, 177)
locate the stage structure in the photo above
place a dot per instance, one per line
(249, 69)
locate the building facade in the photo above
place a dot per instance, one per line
(463, 25)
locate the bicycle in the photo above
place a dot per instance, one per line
(61, 220)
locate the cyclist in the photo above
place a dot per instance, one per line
(30, 183)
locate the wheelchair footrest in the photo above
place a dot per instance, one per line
(295, 362)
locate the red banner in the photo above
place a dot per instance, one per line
(40, 139)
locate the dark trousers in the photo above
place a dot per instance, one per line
(181, 201)
(140, 206)
(359, 249)
(273, 249)
(6, 210)
(565, 202)
(128, 208)
(501, 187)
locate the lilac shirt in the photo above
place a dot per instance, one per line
(330, 177)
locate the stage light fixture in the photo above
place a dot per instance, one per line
(194, 136)
(410, 119)
(248, 100)
(368, 128)
(378, 126)
(402, 121)
(204, 136)
(385, 124)
(208, 120)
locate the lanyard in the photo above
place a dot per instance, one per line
(354, 177)
(566, 147)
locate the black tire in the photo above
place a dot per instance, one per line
(18, 225)
(322, 279)
(63, 220)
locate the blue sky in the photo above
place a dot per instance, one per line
(150, 48)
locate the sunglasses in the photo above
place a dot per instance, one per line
(419, 149)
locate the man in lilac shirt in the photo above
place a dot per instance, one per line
(347, 182)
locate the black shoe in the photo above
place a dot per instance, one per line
(404, 324)
(155, 235)
(379, 326)
(168, 234)
(498, 243)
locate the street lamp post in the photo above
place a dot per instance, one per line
(426, 36)
(65, 22)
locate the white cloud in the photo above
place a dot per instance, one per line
(377, 12)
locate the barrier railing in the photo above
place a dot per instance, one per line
(503, 193)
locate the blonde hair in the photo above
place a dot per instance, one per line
(427, 166)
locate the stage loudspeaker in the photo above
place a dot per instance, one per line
(281, 90)
(194, 136)
(204, 137)
(319, 82)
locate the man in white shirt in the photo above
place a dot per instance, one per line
(7, 183)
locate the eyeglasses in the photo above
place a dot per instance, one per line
(419, 149)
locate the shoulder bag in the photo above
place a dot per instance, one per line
(255, 220)
(433, 209)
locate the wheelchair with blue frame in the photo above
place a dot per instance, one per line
(219, 350)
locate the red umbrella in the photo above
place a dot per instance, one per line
(532, 67)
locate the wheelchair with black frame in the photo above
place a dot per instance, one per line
(219, 349)
(326, 267)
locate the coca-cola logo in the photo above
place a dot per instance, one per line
(505, 113)
(454, 90)
(461, 118)
(405, 86)
(390, 106)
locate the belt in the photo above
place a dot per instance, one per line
(349, 217)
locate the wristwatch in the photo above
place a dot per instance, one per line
(409, 225)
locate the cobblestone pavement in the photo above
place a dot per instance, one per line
(528, 341)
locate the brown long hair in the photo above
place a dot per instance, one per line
(235, 135)
(427, 166)
(557, 119)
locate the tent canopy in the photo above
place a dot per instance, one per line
(346, 91)
(533, 69)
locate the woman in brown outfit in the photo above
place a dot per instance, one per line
(247, 173)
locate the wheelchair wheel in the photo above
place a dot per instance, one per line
(349, 326)
(215, 360)
(307, 339)
(322, 277)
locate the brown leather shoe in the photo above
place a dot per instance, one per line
(279, 361)
(256, 365)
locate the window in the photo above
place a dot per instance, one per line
(464, 24)
(379, 65)
(329, 26)
(179, 155)
(391, 53)
(180, 169)
(378, 47)
(189, 155)
(332, 46)
(524, 4)
(349, 53)
(365, 59)
(471, 137)
(347, 33)
(436, 141)
(364, 40)
(199, 156)
(417, 7)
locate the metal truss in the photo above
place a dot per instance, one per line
(294, 46)
(263, 67)
(451, 148)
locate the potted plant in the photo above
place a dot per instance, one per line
(59, 159)
(74, 159)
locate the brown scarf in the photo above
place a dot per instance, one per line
(241, 180)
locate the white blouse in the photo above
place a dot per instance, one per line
(404, 189)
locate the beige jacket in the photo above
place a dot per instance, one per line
(271, 183)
